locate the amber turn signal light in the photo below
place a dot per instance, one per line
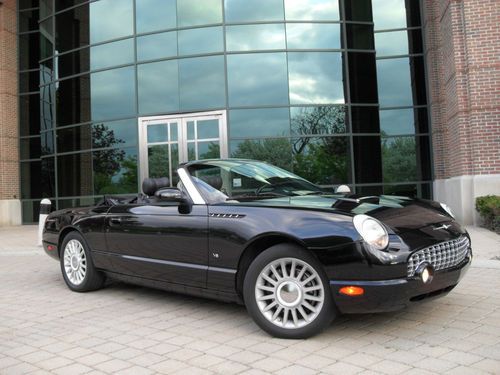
(352, 291)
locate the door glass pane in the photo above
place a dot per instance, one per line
(208, 129)
(191, 151)
(190, 130)
(158, 161)
(208, 150)
(173, 132)
(174, 157)
(157, 133)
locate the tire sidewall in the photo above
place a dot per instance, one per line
(324, 318)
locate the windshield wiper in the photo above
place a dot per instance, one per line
(257, 196)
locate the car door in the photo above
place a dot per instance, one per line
(155, 241)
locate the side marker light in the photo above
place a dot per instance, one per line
(352, 291)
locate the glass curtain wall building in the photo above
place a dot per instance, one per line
(112, 91)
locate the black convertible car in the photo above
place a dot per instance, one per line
(245, 231)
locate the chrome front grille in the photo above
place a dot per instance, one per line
(441, 256)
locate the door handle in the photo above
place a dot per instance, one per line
(115, 220)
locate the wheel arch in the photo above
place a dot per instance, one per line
(63, 234)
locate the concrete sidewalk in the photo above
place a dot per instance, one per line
(124, 329)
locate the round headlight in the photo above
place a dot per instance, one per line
(447, 209)
(372, 231)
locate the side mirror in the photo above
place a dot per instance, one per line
(171, 195)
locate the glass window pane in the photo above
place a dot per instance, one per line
(398, 42)
(199, 41)
(389, 14)
(400, 121)
(110, 19)
(29, 81)
(111, 54)
(113, 93)
(255, 37)
(399, 159)
(324, 160)
(157, 133)
(63, 4)
(316, 78)
(411, 190)
(115, 171)
(256, 10)
(362, 77)
(173, 131)
(69, 36)
(47, 143)
(190, 130)
(73, 98)
(246, 86)
(265, 122)
(114, 133)
(73, 62)
(28, 20)
(312, 10)
(158, 87)
(74, 139)
(360, 36)
(196, 12)
(208, 150)
(29, 51)
(31, 211)
(313, 36)
(274, 151)
(77, 172)
(158, 158)
(157, 46)
(30, 148)
(365, 119)
(318, 120)
(208, 129)
(367, 156)
(358, 10)
(29, 114)
(201, 83)
(154, 15)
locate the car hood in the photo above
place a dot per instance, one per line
(401, 214)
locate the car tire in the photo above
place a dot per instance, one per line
(77, 267)
(294, 304)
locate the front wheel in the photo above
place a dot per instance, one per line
(287, 293)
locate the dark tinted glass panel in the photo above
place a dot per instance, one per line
(370, 190)
(74, 139)
(246, 86)
(195, 12)
(73, 101)
(158, 87)
(318, 120)
(255, 37)
(110, 19)
(114, 133)
(47, 102)
(48, 181)
(412, 190)
(365, 119)
(77, 172)
(29, 114)
(30, 211)
(367, 159)
(154, 15)
(46, 47)
(413, 13)
(201, 83)
(38, 179)
(113, 93)
(393, 43)
(324, 160)
(424, 158)
(250, 123)
(157, 46)
(112, 54)
(47, 143)
(257, 10)
(73, 63)
(30, 148)
(404, 121)
(29, 81)
(316, 77)
(274, 151)
(29, 51)
(312, 10)
(313, 36)
(358, 10)
(115, 171)
(360, 36)
(63, 4)
(72, 28)
(79, 202)
(200, 41)
(362, 77)
(24, 4)
(28, 20)
(399, 157)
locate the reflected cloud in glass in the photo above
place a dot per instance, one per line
(315, 78)
(389, 14)
(255, 10)
(399, 121)
(112, 54)
(255, 37)
(111, 19)
(196, 12)
(313, 36)
(265, 122)
(394, 82)
(392, 43)
(154, 15)
(157, 46)
(200, 41)
(158, 86)
(312, 10)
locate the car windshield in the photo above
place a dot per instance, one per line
(248, 180)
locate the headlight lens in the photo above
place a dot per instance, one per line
(447, 209)
(372, 231)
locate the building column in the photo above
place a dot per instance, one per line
(10, 205)
(462, 44)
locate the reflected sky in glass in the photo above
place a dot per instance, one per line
(257, 79)
(199, 41)
(313, 36)
(198, 12)
(394, 82)
(392, 43)
(389, 14)
(154, 15)
(157, 46)
(202, 84)
(113, 93)
(315, 78)
(312, 10)
(158, 87)
(397, 121)
(124, 132)
(112, 54)
(265, 122)
(111, 19)
(255, 37)
(255, 10)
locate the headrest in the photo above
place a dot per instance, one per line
(213, 181)
(151, 185)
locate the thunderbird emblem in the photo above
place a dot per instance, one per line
(444, 226)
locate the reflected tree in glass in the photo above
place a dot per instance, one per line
(274, 151)
(399, 159)
(318, 120)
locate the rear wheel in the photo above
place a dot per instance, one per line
(287, 293)
(77, 268)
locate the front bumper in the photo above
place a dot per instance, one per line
(395, 294)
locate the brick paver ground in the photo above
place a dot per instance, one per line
(46, 328)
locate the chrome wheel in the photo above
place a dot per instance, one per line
(75, 262)
(289, 293)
